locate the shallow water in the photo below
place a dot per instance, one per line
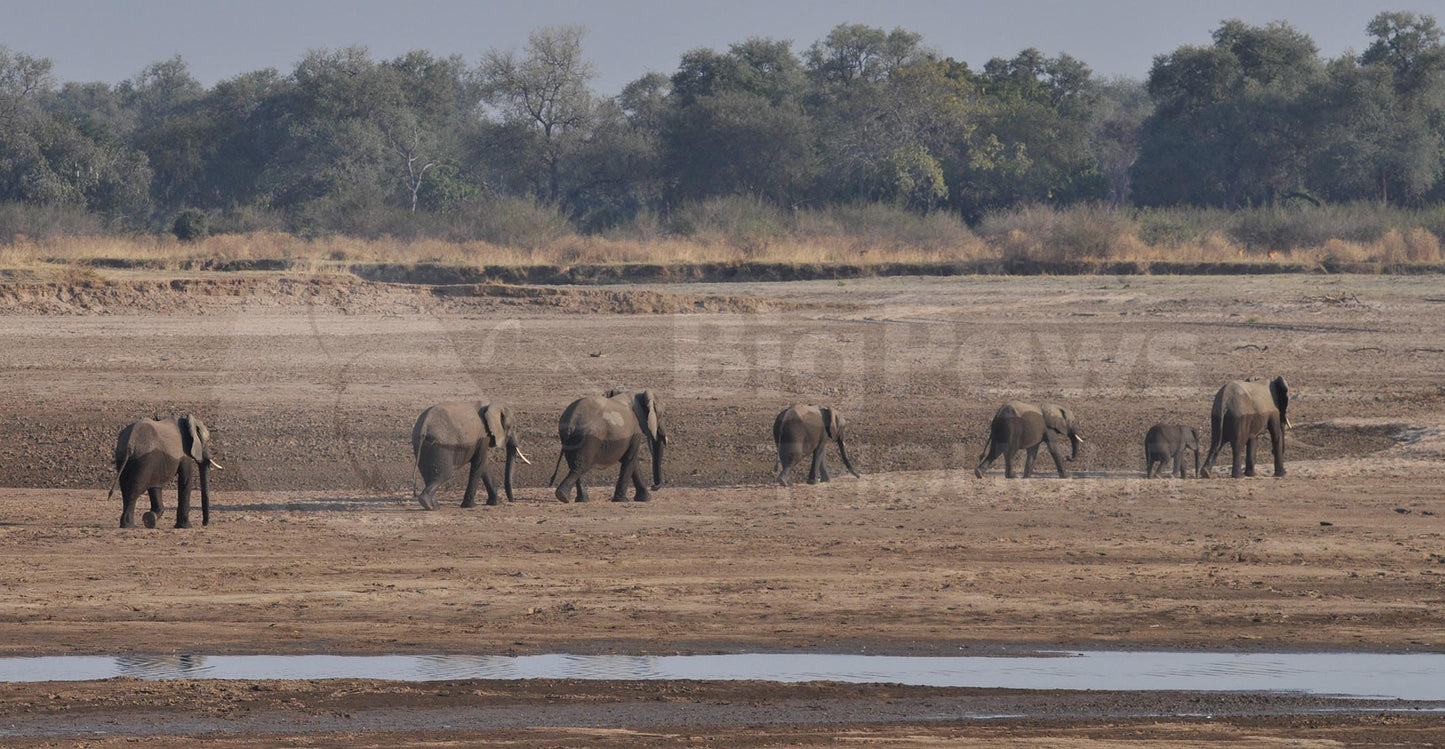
(1402, 676)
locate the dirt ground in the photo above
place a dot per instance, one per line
(311, 387)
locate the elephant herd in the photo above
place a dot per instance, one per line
(612, 428)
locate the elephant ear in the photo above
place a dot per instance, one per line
(492, 422)
(647, 412)
(1056, 419)
(1280, 390)
(831, 422)
(193, 437)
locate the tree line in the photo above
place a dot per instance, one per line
(345, 143)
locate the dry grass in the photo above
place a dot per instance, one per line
(333, 252)
(1041, 234)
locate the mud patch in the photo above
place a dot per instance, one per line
(1343, 438)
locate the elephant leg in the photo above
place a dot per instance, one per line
(185, 477)
(785, 463)
(1209, 457)
(1029, 456)
(823, 463)
(1236, 447)
(128, 496)
(813, 474)
(1151, 466)
(1276, 442)
(577, 464)
(493, 499)
(639, 483)
(428, 496)
(1058, 459)
(990, 455)
(478, 471)
(1008, 461)
(1249, 457)
(571, 483)
(157, 508)
(624, 474)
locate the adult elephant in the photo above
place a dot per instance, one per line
(1242, 411)
(150, 453)
(801, 430)
(450, 435)
(599, 430)
(1025, 426)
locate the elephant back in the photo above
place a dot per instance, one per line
(450, 423)
(148, 436)
(599, 417)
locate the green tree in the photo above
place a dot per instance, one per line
(1229, 126)
(544, 92)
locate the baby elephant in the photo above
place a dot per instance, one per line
(1166, 443)
(802, 430)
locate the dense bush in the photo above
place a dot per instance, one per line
(191, 226)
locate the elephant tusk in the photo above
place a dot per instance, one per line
(1080, 438)
(523, 457)
(1287, 424)
(214, 464)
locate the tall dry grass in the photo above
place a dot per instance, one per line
(733, 230)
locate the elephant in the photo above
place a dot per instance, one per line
(1243, 410)
(1024, 426)
(598, 430)
(450, 435)
(1165, 444)
(149, 453)
(800, 430)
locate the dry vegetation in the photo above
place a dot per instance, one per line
(740, 230)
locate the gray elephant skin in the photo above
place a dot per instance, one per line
(150, 453)
(451, 435)
(802, 430)
(1165, 444)
(1243, 410)
(602, 430)
(1025, 426)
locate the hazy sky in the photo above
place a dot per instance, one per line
(111, 40)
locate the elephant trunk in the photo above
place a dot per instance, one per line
(1075, 440)
(206, 491)
(658, 443)
(512, 451)
(843, 453)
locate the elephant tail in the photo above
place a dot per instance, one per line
(418, 438)
(415, 467)
(555, 469)
(118, 471)
(1216, 424)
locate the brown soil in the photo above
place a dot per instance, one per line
(317, 547)
(128, 712)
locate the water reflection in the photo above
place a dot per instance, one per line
(1403, 676)
(161, 666)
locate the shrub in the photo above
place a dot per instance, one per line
(512, 222)
(747, 223)
(191, 226)
(47, 221)
(1083, 232)
(890, 226)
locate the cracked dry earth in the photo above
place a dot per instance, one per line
(316, 546)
